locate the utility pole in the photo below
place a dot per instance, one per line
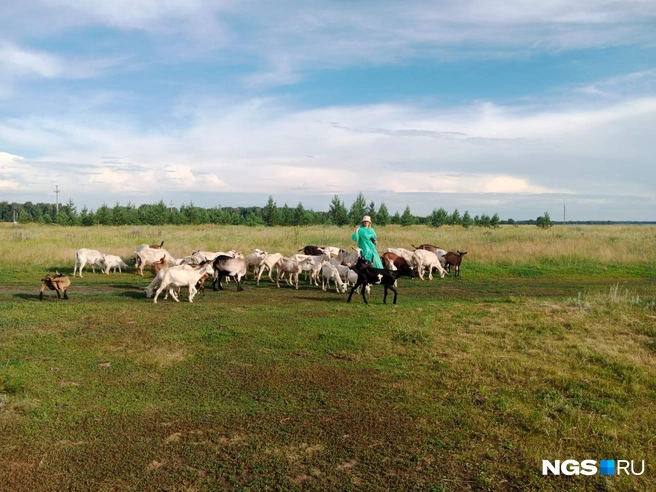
(57, 198)
(171, 206)
(563, 214)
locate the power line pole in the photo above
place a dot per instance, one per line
(57, 197)
(563, 214)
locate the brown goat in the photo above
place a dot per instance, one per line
(200, 286)
(156, 246)
(57, 282)
(454, 259)
(427, 247)
(397, 260)
(158, 265)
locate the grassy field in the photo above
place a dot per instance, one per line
(544, 348)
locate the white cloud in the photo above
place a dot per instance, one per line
(18, 63)
(263, 147)
(22, 62)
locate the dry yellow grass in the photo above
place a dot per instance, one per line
(507, 245)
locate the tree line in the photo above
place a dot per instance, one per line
(270, 214)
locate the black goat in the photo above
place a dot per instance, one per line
(367, 274)
(312, 250)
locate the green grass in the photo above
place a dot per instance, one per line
(466, 384)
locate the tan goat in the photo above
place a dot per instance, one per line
(57, 282)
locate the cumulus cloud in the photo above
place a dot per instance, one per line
(263, 147)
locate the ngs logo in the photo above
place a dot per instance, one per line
(589, 467)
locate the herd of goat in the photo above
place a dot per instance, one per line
(332, 264)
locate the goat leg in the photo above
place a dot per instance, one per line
(352, 291)
(395, 293)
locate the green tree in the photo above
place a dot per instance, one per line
(544, 222)
(24, 216)
(454, 218)
(371, 210)
(358, 209)
(337, 212)
(466, 220)
(438, 217)
(87, 218)
(253, 219)
(407, 219)
(286, 215)
(494, 221)
(158, 213)
(119, 214)
(301, 216)
(104, 215)
(270, 213)
(383, 217)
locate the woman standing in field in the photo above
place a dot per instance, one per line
(366, 238)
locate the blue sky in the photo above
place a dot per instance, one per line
(512, 107)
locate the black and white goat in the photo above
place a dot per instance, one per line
(368, 275)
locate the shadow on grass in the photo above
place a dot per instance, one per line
(134, 294)
(323, 299)
(35, 297)
(126, 286)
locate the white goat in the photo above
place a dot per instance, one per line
(254, 260)
(157, 280)
(84, 256)
(179, 277)
(268, 263)
(148, 256)
(422, 258)
(314, 268)
(108, 262)
(201, 256)
(331, 251)
(291, 267)
(330, 272)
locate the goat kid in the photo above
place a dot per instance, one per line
(108, 262)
